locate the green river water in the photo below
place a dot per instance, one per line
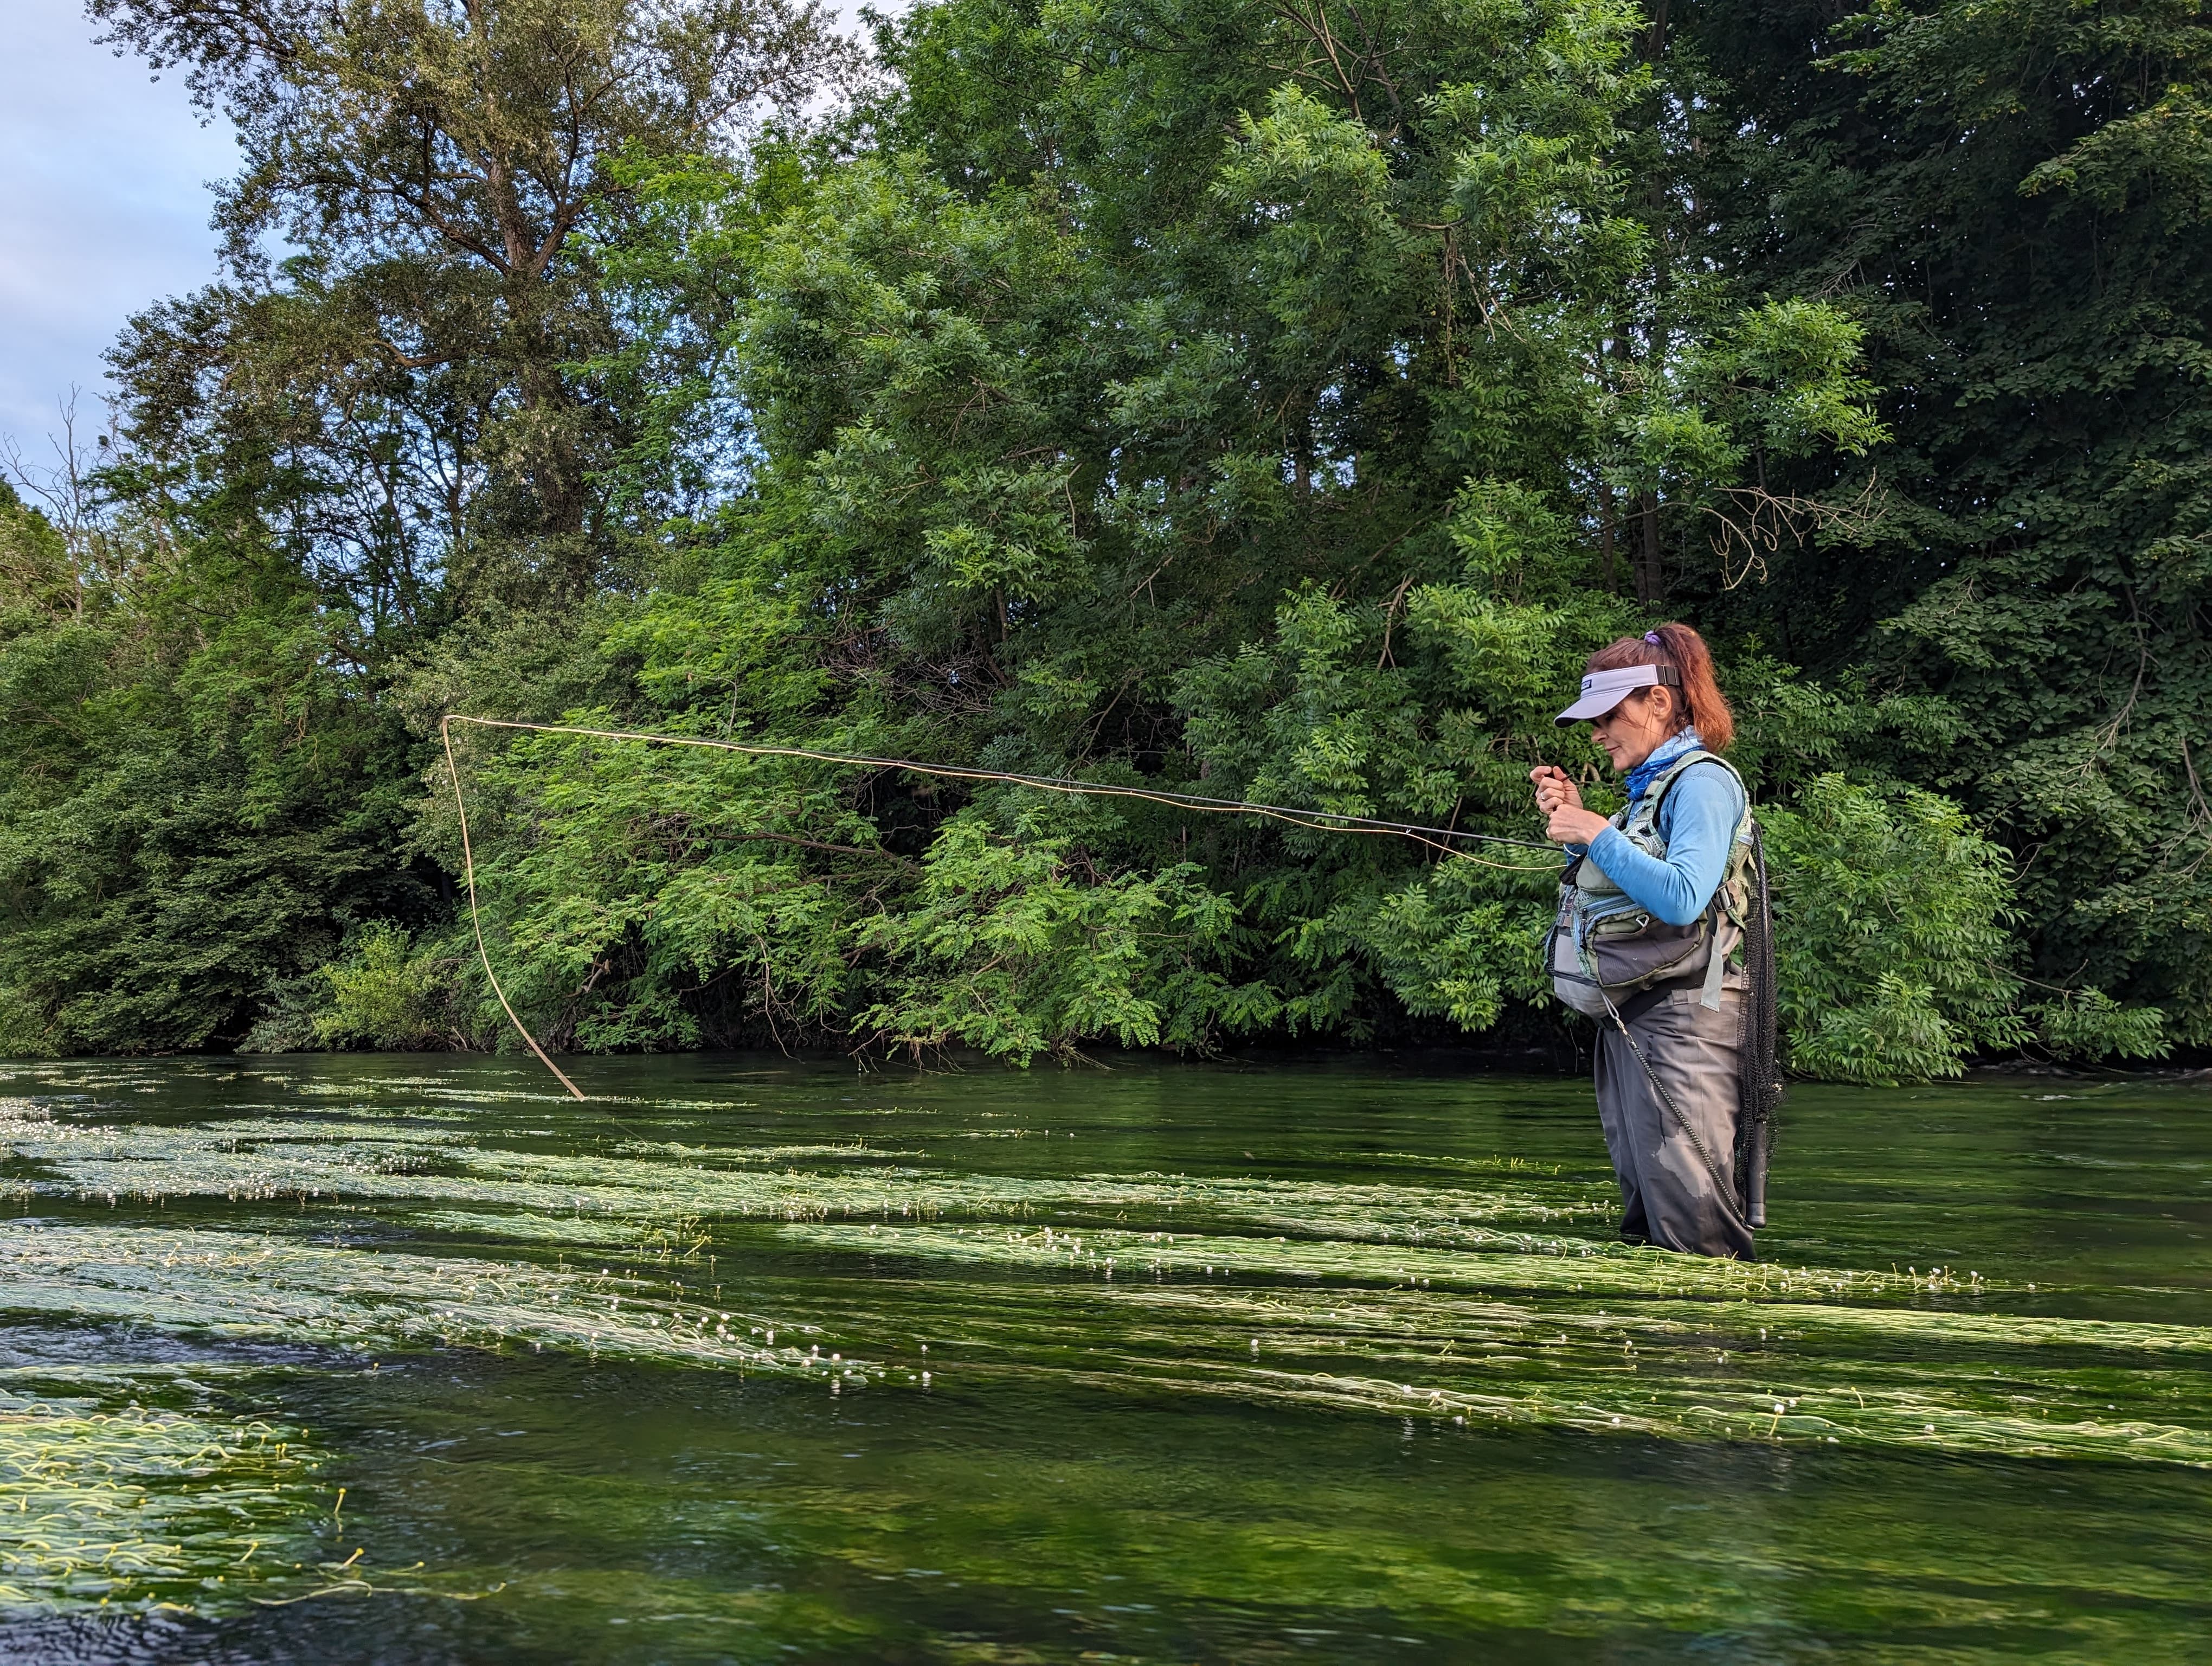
(407, 1359)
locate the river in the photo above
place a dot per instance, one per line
(410, 1359)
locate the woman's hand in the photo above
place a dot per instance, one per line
(1553, 788)
(1559, 801)
(1572, 824)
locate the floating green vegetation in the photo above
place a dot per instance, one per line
(1579, 1266)
(1478, 1303)
(667, 1239)
(135, 1505)
(1687, 1348)
(309, 1160)
(244, 1285)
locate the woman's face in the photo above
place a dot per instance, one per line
(1633, 730)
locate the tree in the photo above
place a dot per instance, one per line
(1167, 397)
(392, 397)
(2012, 199)
(194, 804)
(321, 464)
(1281, 395)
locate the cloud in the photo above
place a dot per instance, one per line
(106, 204)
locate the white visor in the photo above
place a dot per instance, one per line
(1604, 690)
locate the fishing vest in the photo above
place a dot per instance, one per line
(1604, 946)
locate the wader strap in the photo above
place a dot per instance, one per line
(1644, 1001)
(1634, 1007)
(1716, 963)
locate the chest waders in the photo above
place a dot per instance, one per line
(1605, 947)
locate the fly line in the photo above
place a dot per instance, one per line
(1446, 841)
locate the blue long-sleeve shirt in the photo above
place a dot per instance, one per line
(1697, 820)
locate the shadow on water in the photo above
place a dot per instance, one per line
(749, 1360)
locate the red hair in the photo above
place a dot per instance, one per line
(1701, 701)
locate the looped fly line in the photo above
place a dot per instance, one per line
(1312, 820)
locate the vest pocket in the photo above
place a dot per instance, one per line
(1651, 953)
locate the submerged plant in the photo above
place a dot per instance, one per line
(248, 1284)
(107, 1501)
(1634, 1341)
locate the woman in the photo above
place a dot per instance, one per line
(1650, 938)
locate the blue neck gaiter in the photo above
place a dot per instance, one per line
(1661, 755)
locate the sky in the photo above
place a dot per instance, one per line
(106, 203)
(106, 206)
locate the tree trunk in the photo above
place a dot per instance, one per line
(1651, 574)
(1609, 550)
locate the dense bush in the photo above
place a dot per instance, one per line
(1894, 959)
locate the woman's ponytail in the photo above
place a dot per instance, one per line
(1702, 702)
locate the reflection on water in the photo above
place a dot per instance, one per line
(751, 1360)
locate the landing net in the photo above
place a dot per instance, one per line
(1758, 1085)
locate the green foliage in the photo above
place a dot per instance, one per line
(669, 899)
(1148, 393)
(1889, 933)
(1008, 949)
(2088, 1023)
(381, 991)
(385, 993)
(2010, 199)
(1436, 716)
(1893, 955)
(193, 803)
(22, 1027)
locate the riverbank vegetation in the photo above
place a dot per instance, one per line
(1282, 397)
